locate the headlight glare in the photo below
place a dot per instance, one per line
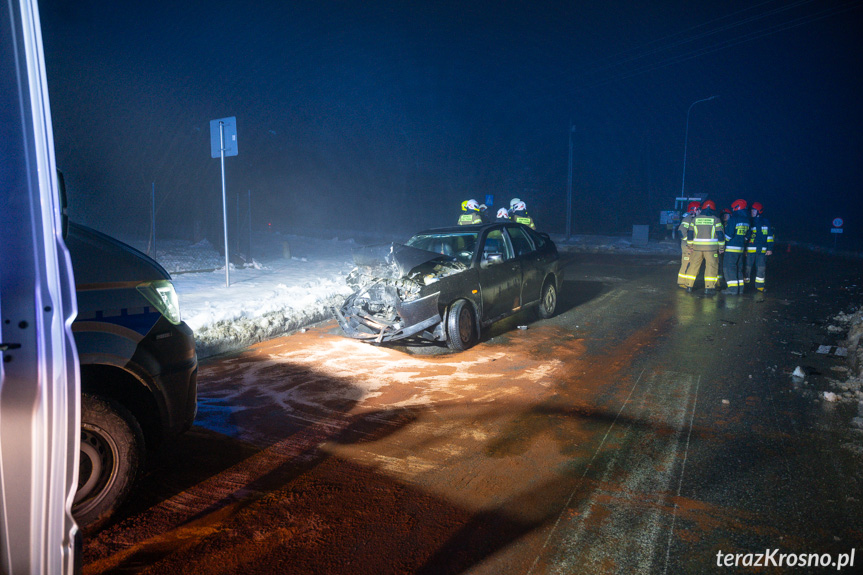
(163, 297)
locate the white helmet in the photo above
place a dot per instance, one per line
(503, 213)
(513, 202)
(473, 205)
(483, 207)
(519, 206)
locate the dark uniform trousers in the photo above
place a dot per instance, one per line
(757, 262)
(733, 264)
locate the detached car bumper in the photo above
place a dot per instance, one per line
(413, 317)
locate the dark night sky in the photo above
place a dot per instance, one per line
(361, 115)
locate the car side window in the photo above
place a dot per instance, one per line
(538, 240)
(495, 243)
(520, 240)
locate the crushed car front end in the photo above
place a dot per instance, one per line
(397, 293)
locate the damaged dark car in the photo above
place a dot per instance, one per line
(447, 284)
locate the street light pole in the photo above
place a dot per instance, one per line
(685, 142)
(569, 186)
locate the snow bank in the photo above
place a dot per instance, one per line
(269, 297)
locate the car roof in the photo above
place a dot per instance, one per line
(465, 228)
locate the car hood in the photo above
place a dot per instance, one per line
(394, 261)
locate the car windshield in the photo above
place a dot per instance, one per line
(461, 245)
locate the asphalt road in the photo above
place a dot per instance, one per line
(640, 430)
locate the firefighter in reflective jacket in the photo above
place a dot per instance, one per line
(760, 246)
(686, 229)
(736, 234)
(708, 240)
(518, 213)
(470, 213)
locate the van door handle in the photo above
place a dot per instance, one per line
(8, 346)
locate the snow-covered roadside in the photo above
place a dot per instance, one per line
(291, 286)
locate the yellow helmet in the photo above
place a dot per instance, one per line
(464, 206)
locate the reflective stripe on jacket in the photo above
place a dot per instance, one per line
(736, 232)
(709, 235)
(469, 218)
(761, 236)
(523, 218)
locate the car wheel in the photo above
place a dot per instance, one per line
(461, 326)
(547, 300)
(112, 447)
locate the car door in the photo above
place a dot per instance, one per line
(39, 390)
(499, 276)
(530, 262)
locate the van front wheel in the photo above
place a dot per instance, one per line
(112, 451)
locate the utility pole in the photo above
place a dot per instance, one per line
(685, 141)
(569, 186)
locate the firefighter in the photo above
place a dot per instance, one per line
(470, 214)
(734, 259)
(760, 246)
(708, 240)
(686, 230)
(503, 215)
(723, 215)
(518, 213)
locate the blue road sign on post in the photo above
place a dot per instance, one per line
(223, 142)
(230, 127)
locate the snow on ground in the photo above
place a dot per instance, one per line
(291, 282)
(291, 285)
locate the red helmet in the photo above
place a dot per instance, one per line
(708, 205)
(757, 207)
(738, 205)
(726, 211)
(690, 209)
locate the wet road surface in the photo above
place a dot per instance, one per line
(640, 430)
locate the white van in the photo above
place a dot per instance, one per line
(39, 393)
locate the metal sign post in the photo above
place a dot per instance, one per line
(223, 142)
(837, 229)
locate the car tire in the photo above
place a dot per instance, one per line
(112, 452)
(547, 300)
(461, 332)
